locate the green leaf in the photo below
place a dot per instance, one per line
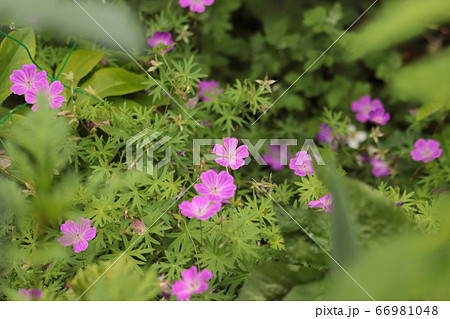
(310, 292)
(80, 63)
(428, 109)
(119, 282)
(425, 81)
(13, 56)
(273, 280)
(113, 82)
(397, 21)
(413, 267)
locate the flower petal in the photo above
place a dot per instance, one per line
(219, 150)
(66, 240)
(242, 151)
(80, 246)
(222, 161)
(230, 144)
(189, 275)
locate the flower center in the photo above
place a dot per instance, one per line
(215, 190)
(194, 285)
(197, 1)
(29, 83)
(366, 109)
(427, 152)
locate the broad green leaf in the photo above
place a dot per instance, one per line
(412, 267)
(112, 82)
(312, 291)
(343, 234)
(80, 63)
(428, 109)
(273, 280)
(395, 22)
(60, 18)
(13, 56)
(374, 217)
(426, 81)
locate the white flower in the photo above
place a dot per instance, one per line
(355, 137)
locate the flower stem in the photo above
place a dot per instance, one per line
(201, 235)
(83, 260)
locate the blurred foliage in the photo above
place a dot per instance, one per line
(115, 282)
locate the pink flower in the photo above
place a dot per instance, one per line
(25, 79)
(199, 208)
(364, 106)
(77, 234)
(195, 5)
(326, 135)
(379, 116)
(32, 294)
(325, 202)
(163, 38)
(216, 187)
(274, 158)
(426, 150)
(229, 155)
(49, 92)
(139, 226)
(379, 167)
(209, 89)
(193, 282)
(301, 164)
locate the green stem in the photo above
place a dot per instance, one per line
(67, 59)
(201, 235)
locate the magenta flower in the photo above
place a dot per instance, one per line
(325, 202)
(379, 167)
(32, 294)
(379, 116)
(25, 79)
(77, 234)
(325, 134)
(195, 5)
(229, 155)
(193, 282)
(275, 157)
(199, 208)
(426, 150)
(49, 92)
(364, 106)
(216, 187)
(301, 164)
(209, 89)
(163, 38)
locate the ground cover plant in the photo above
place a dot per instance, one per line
(224, 150)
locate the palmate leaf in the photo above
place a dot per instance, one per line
(216, 259)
